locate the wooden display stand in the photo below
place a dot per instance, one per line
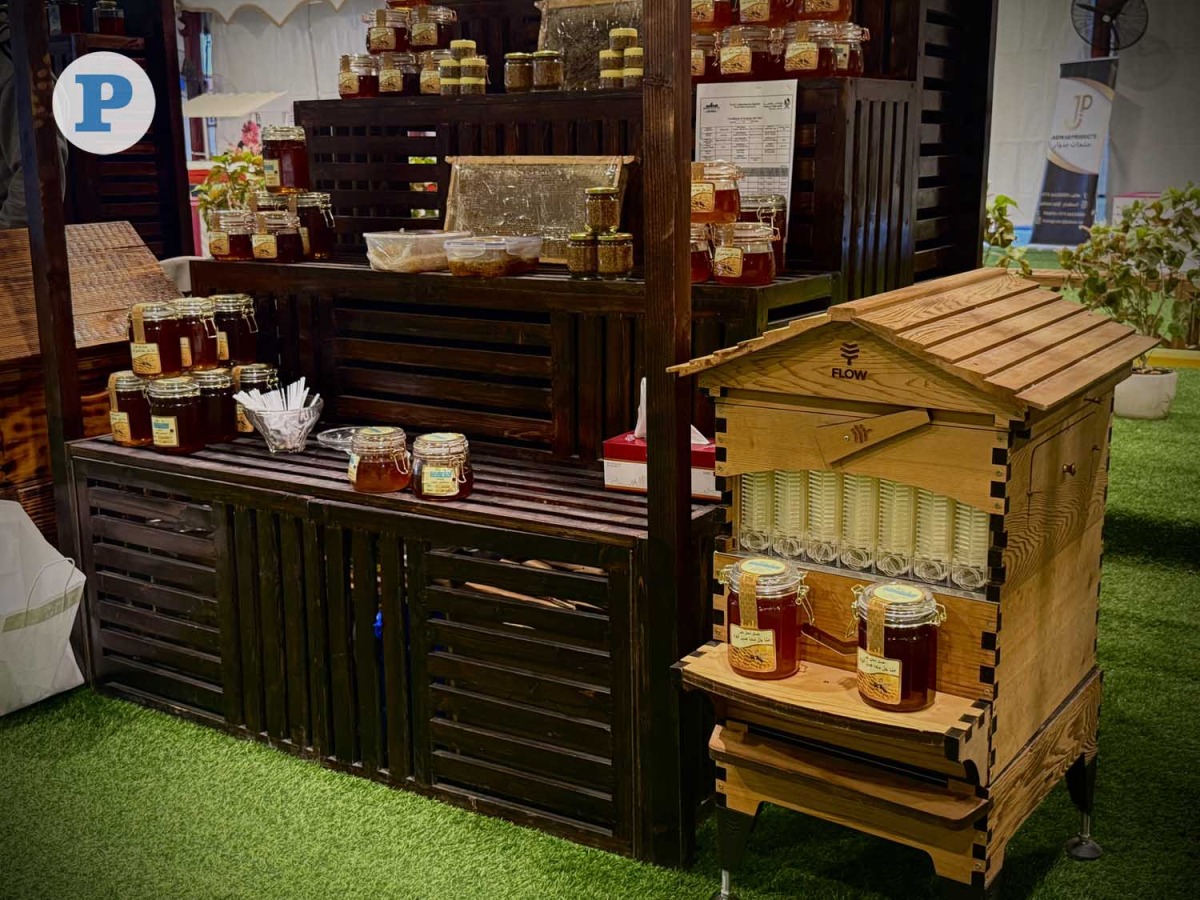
(1014, 387)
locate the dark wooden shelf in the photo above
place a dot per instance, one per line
(488, 107)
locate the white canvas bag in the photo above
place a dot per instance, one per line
(40, 590)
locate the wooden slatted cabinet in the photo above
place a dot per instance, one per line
(986, 397)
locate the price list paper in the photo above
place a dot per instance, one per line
(752, 124)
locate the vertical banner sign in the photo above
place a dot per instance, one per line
(1078, 138)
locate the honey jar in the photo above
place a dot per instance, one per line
(358, 77)
(848, 40)
(548, 70)
(431, 82)
(768, 209)
(622, 38)
(518, 73)
(285, 159)
(808, 50)
(614, 255)
(631, 75)
(108, 18)
(751, 53)
(217, 406)
(897, 626)
(711, 16)
(441, 467)
(602, 209)
(705, 66)
(65, 16)
(154, 335)
(197, 333)
(701, 255)
(763, 612)
(237, 329)
(473, 75)
(581, 255)
(129, 410)
(379, 462)
(715, 196)
(431, 27)
(230, 235)
(315, 211)
(258, 376)
(773, 13)
(388, 31)
(278, 237)
(462, 49)
(828, 10)
(399, 75)
(176, 424)
(743, 256)
(612, 69)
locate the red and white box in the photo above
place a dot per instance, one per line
(625, 467)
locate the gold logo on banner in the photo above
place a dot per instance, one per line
(1083, 102)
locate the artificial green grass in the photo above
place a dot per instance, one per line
(102, 799)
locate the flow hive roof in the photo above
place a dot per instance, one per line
(110, 270)
(994, 330)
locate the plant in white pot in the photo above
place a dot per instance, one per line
(1144, 271)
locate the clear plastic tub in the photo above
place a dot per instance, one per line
(493, 256)
(410, 251)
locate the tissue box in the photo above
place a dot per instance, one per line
(625, 467)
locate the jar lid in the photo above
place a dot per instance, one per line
(441, 14)
(106, 4)
(699, 231)
(214, 379)
(615, 237)
(518, 57)
(194, 306)
(473, 61)
(254, 373)
(462, 44)
(601, 191)
(228, 219)
(448, 63)
(267, 200)
(432, 57)
(440, 443)
(773, 577)
(747, 231)
(548, 54)
(737, 35)
(361, 60)
(763, 201)
(715, 170)
(809, 30)
(581, 236)
(379, 439)
(165, 388)
(710, 39)
(905, 605)
(155, 312)
(317, 198)
(282, 133)
(622, 32)
(634, 51)
(396, 17)
(615, 55)
(232, 303)
(393, 59)
(279, 219)
(126, 381)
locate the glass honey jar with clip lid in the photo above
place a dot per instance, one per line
(278, 237)
(751, 53)
(773, 13)
(399, 75)
(154, 340)
(701, 254)
(176, 423)
(358, 76)
(230, 235)
(711, 16)
(197, 333)
(715, 196)
(743, 255)
(315, 210)
(217, 406)
(256, 376)
(285, 159)
(763, 614)
(897, 625)
(827, 10)
(379, 462)
(770, 210)
(441, 467)
(108, 18)
(387, 30)
(431, 27)
(237, 328)
(808, 50)
(129, 410)
(848, 58)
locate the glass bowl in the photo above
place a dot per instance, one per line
(338, 438)
(286, 430)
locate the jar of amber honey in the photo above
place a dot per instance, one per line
(217, 406)
(431, 27)
(154, 340)
(715, 197)
(897, 627)
(128, 409)
(379, 462)
(829, 10)
(277, 238)
(774, 13)
(197, 333)
(229, 234)
(808, 50)
(441, 467)
(769, 209)
(711, 16)
(701, 254)
(108, 18)
(285, 159)
(257, 376)
(705, 66)
(237, 329)
(743, 256)
(431, 82)
(176, 423)
(848, 40)
(316, 224)
(399, 75)
(751, 53)
(387, 30)
(358, 76)
(763, 615)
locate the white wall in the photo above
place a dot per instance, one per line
(1155, 140)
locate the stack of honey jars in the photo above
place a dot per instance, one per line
(730, 245)
(622, 64)
(186, 355)
(764, 40)
(601, 250)
(406, 41)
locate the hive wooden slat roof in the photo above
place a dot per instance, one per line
(111, 269)
(992, 329)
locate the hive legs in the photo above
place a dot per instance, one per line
(1081, 783)
(733, 831)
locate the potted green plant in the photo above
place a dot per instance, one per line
(1001, 235)
(233, 176)
(1143, 271)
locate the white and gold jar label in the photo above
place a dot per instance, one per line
(218, 243)
(735, 60)
(752, 649)
(727, 262)
(347, 83)
(755, 10)
(121, 432)
(879, 677)
(801, 56)
(265, 246)
(145, 359)
(704, 196)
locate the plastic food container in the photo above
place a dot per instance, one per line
(493, 256)
(409, 251)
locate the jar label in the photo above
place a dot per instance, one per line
(218, 243)
(381, 38)
(347, 83)
(165, 430)
(430, 81)
(755, 10)
(146, 360)
(243, 424)
(878, 677)
(305, 245)
(829, 6)
(841, 56)
(424, 34)
(735, 60)
(704, 196)
(697, 63)
(222, 345)
(265, 246)
(391, 81)
(439, 481)
(353, 471)
(185, 351)
(703, 10)
(121, 432)
(271, 172)
(752, 649)
(727, 262)
(801, 56)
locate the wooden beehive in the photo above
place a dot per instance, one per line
(984, 389)
(110, 269)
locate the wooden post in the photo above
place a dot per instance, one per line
(41, 165)
(666, 102)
